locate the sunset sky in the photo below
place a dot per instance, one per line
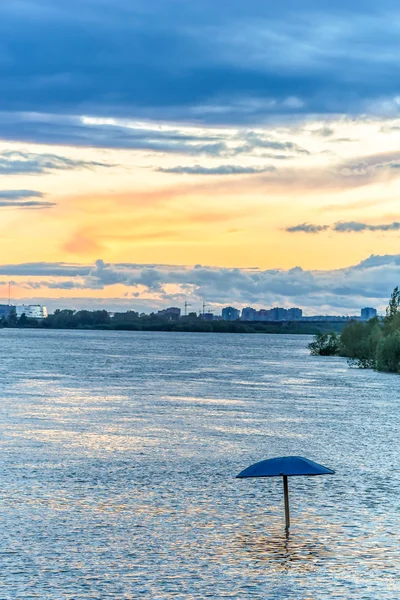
(242, 153)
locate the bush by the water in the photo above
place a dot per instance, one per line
(371, 345)
(325, 344)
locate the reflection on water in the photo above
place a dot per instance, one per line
(119, 456)
(286, 551)
(330, 547)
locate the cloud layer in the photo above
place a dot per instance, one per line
(199, 62)
(338, 291)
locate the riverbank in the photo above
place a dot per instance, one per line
(371, 345)
(198, 326)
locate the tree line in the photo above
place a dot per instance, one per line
(371, 345)
(133, 321)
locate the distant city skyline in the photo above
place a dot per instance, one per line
(228, 313)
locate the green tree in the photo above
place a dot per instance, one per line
(359, 342)
(391, 322)
(388, 353)
(325, 344)
(12, 318)
(23, 320)
(394, 304)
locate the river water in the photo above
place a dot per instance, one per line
(119, 452)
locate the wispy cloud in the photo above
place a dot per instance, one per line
(324, 132)
(254, 140)
(307, 228)
(22, 199)
(28, 163)
(221, 170)
(58, 129)
(19, 194)
(355, 226)
(344, 227)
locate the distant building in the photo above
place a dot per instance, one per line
(368, 313)
(278, 314)
(263, 315)
(32, 311)
(273, 314)
(294, 314)
(207, 316)
(230, 314)
(171, 313)
(249, 314)
(6, 310)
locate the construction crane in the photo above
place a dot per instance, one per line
(206, 310)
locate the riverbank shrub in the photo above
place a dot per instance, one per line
(325, 344)
(371, 345)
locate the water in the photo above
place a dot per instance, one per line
(119, 452)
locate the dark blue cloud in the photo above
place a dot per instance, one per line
(209, 62)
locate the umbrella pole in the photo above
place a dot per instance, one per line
(286, 494)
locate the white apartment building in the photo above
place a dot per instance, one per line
(32, 311)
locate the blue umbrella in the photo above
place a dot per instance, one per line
(287, 466)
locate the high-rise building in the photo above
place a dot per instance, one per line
(278, 314)
(263, 315)
(294, 314)
(230, 314)
(171, 314)
(272, 314)
(249, 314)
(368, 313)
(32, 311)
(207, 316)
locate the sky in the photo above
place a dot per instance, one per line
(232, 153)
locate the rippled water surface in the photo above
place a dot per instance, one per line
(119, 453)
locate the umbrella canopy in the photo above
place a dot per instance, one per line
(288, 466)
